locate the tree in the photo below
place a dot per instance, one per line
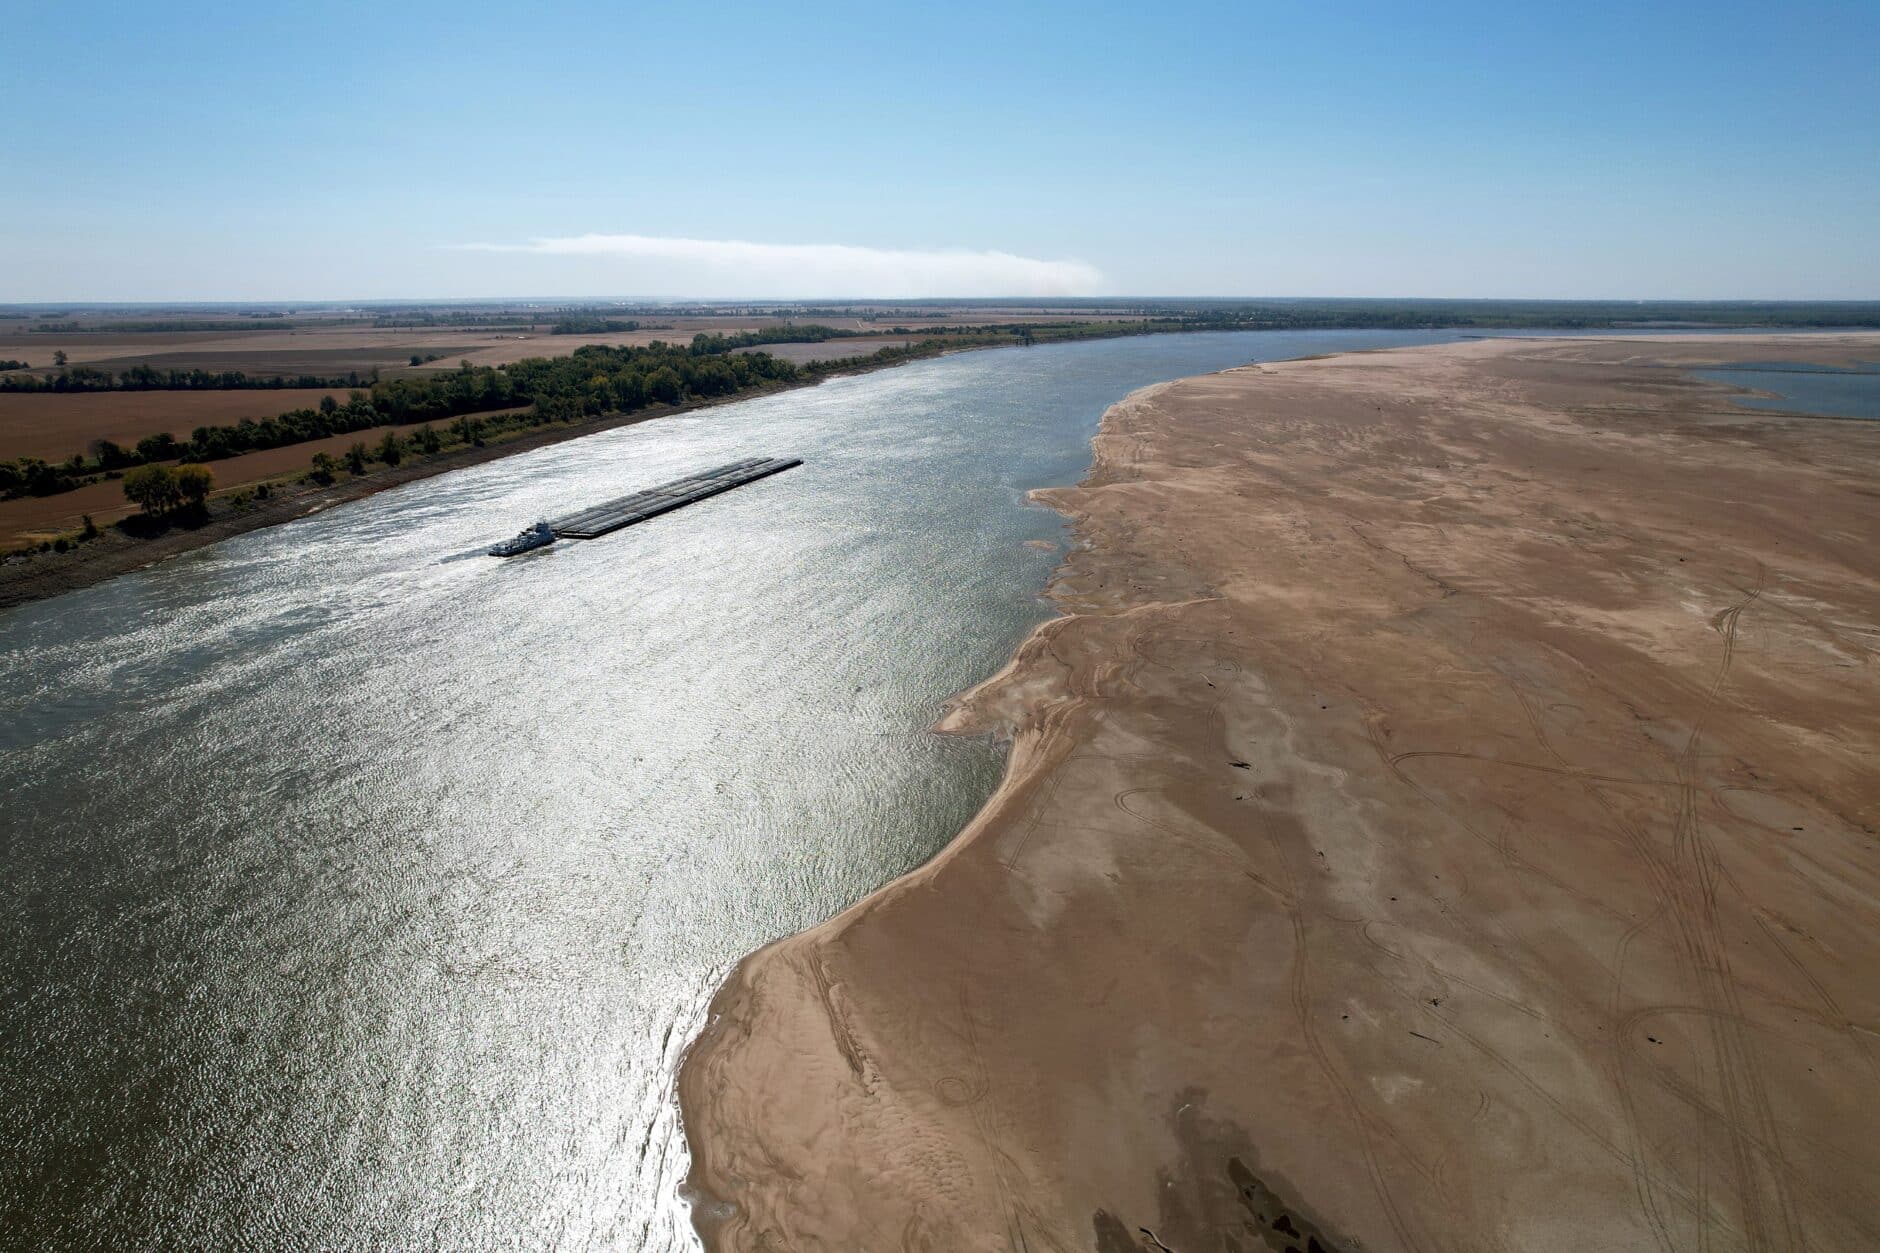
(193, 485)
(428, 442)
(391, 449)
(151, 488)
(663, 384)
(356, 458)
(110, 456)
(58, 358)
(324, 468)
(159, 447)
(41, 479)
(328, 404)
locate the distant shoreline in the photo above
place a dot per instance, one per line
(43, 575)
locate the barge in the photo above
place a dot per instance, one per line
(624, 511)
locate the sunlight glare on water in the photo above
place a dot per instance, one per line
(362, 890)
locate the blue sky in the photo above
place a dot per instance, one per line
(335, 151)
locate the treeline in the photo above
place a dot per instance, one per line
(593, 326)
(893, 353)
(144, 378)
(1366, 314)
(10, 364)
(707, 342)
(594, 380)
(260, 322)
(598, 379)
(1044, 332)
(30, 476)
(411, 319)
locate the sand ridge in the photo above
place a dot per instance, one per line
(1444, 818)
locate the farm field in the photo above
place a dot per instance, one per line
(54, 425)
(35, 517)
(346, 345)
(262, 353)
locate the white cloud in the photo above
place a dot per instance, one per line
(736, 268)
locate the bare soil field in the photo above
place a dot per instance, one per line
(34, 516)
(335, 350)
(1446, 817)
(89, 347)
(674, 331)
(54, 426)
(343, 347)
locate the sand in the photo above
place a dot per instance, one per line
(1444, 818)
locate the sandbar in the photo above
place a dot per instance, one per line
(1443, 817)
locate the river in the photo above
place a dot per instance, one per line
(362, 890)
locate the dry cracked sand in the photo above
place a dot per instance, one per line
(1444, 818)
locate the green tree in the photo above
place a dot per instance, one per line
(428, 442)
(664, 384)
(58, 358)
(151, 488)
(356, 458)
(112, 457)
(159, 447)
(324, 467)
(193, 484)
(391, 449)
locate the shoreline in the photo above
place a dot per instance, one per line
(45, 575)
(1093, 1015)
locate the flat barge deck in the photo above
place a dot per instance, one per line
(611, 515)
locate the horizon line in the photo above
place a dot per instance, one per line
(892, 301)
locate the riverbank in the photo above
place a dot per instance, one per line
(35, 576)
(1444, 817)
(113, 552)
